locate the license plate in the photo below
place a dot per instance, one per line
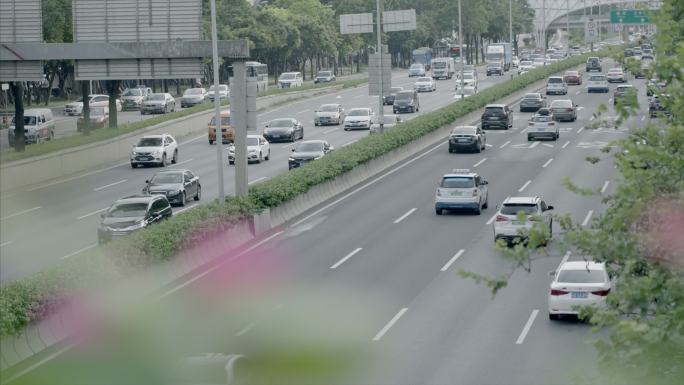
(579, 294)
(144, 158)
(518, 223)
(493, 118)
(541, 129)
(456, 194)
(463, 140)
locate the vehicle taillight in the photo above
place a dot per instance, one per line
(439, 192)
(501, 218)
(558, 292)
(569, 109)
(601, 293)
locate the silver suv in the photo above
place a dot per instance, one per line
(521, 213)
(460, 190)
(154, 150)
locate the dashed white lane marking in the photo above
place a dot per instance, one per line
(548, 162)
(5, 243)
(488, 145)
(391, 323)
(577, 93)
(343, 260)
(350, 142)
(566, 144)
(91, 213)
(527, 327)
(610, 100)
(401, 218)
(580, 130)
(547, 145)
(535, 144)
(79, 251)
(186, 209)
(302, 111)
(524, 186)
(330, 130)
(643, 118)
(110, 185)
(452, 260)
(592, 118)
(480, 162)
(587, 218)
(565, 259)
(20, 213)
(605, 186)
(505, 144)
(245, 330)
(257, 180)
(288, 145)
(489, 222)
(184, 162)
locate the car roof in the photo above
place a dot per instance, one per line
(495, 105)
(154, 136)
(331, 104)
(460, 173)
(555, 77)
(321, 141)
(360, 108)
(582, 265)
(136, 199)
(521, 200)
(288, 119)
(463, 128)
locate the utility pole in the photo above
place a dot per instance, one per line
(510, 23)
(460, 43)
(217, 105)
(378, 31)
(567, 24)
(238, 121)
(544, 28)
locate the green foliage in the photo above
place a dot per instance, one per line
(28, 299)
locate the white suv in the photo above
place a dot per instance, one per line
(508, 225)
(556, 85)
(462, 189)
(154, 150)
(258, 149)
(597, 83)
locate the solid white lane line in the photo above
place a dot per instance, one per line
(79, 251)
(610, 100)
(587, 218)
(565, 259)
(488, 145)
(566, 144)
(343, 260)
(548, 162)
(257, 180)
(505, 144)
(605, 186)
(330, 130)
(452, 260)
(643, 118)
(489, 222)
(580, 130)
(401, 218)
(535, 144)
(372, 182)
(20, 213)
(390, 324)
(577, 93)
(302, 111)
(5, 243)
(37, 364)
(91, 213)
(480, 162)
(184, 162)
(527, 327)
(435, 109)
(192, 140)
(288, 145)
(245, 330)
(186, 208)
(198, 276)
(524, 186)
(348, 143)
(110, 185)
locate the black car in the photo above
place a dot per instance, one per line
(284, 130)
(308, 151)
(593, 64)
(131, 214)
(388, 100)
(654, 86)
(493, 69)
(657, 107)
(324, 77)
(497, 116)
(176, 185)
(532, 102)
(406, 101)
(628, 52)
(470, 138)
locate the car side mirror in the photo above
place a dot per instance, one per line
(576, 105)
(331, 148)
(549, 208)
(552, 274)
(267, 125)
(293, 150)
(485, 182)
(102, 214)
(147, 181)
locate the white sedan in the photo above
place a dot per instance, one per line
(577, 284)
(425, 84)
(258, 149)
(616, 75)
(465, 92)
(76, 108)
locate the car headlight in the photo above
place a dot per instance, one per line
(291, 159)
(252, 152)
(134, 153)
(136, 225)
(318, 157)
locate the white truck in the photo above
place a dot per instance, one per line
(499, 53)
(443, 68)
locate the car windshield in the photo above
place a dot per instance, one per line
(193, 91)
(466, 91)
(324, 74)
(439, 64)
(525, 63)
(287, 76)
(404, 96)
(532, 96)
(494, 111)
(225, 121)
(555, 80)
(252, 141)
(515, 208)
(416, 67)
(458, 182)
(581, 276)
(167, 177)
(156, 97)
(467, 75)
(561, 103)
(150, 142)
(542, 118)
(329, 108)
(425, 79)
(281, 123)
(310, 147)
(597, 78)
(97, 112)
(132, 92)
(464, 131)
(128, 210)
(359, 113)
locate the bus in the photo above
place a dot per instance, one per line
(260, 72)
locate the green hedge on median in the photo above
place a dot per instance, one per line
(28, 299)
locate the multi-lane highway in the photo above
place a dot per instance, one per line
(56, 220)
(384, 246)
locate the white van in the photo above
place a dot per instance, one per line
(290, 79)
(39, 125)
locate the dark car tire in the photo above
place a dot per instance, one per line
(438, 211)
(230, 162)
(260, 158)
(478, 210)
(479, 148)
(268, 155)
(198, 196)
(183, 199)
(211, 141)
(163, 161)
(134, 165)
(486, 204)
(554, 317)
(174, 160)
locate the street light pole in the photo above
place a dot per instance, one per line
(460, 43)
(567, 24)
(381, 106)
(510, 22)
(544, 28)
(217, 105)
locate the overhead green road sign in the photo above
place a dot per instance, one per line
(630, 16)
